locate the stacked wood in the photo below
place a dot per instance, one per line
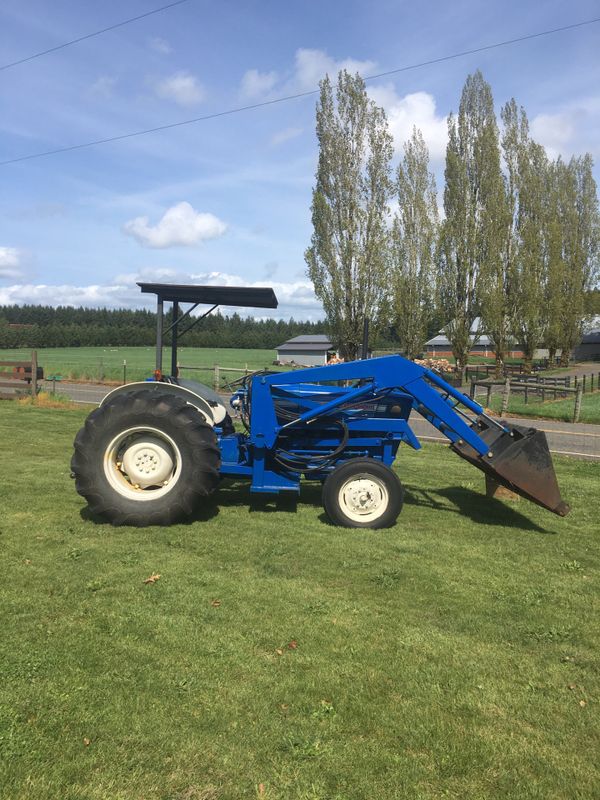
(440, 364)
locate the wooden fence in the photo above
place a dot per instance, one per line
(23, 375)
(539, 389)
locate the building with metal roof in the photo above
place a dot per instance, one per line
(589, 347)
(311, 350)
(481, 345)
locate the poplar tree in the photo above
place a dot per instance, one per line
(574, 241)
(470, 234)
(527, 243)
(347, 258)
(412, 252)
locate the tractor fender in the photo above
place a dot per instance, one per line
(207, 402)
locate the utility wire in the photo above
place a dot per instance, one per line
(296, 96)
(90, 35)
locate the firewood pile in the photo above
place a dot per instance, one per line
(440, 364)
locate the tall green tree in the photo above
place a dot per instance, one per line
(496, 285)
(471, 233)
(575, 246)
(412, 252)
(527, 244)
(346, 260)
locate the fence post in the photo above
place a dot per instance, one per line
(34, 386)
(577, 404)
(526, 392)
(584, 377)
(124, 371)
(472, 390)
(505, 397)
(489, 396)
(217, 378)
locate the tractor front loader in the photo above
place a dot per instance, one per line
(153, 451)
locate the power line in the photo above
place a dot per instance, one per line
(91, 35)
(296, 96)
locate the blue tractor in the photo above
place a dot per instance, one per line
(154, 451)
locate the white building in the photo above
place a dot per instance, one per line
(309, 351)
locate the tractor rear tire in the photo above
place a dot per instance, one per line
(363, 493)
(145, 459)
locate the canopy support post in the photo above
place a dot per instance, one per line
(159, 333)
(174, 327)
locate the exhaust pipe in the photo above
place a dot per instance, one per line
(520, 460)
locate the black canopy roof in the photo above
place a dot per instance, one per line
(212, 295)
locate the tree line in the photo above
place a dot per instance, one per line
(517, 244)
(44, 326)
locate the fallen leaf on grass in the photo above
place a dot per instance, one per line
(261, 788)
(87, 742)
(27, 561)
(215, 603)
(572, 686)
(279, 651)
(582, 703)
(293, 645)
(153, 578)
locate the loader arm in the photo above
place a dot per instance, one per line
(514, 456)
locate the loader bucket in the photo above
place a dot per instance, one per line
(519, 459)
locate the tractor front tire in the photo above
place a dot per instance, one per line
(363, 493)
(145, 459)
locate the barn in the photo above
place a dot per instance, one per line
(481, 344)
(310, 351)
(589, 347)
(440, 345)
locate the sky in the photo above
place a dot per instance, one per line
(227, 201)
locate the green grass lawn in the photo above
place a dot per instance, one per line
(453, 656)
(551, 409)
(98, 363)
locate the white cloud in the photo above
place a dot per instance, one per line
(309, 67)
(255, 83)
(554, 132)
(296, 298)
(413, 109)
(285, 135)
(10, 263)
(91, 296)
(312, 65)
(572, 130)
(179, 225)
(182, 88)
(103, 87)
(160, 45)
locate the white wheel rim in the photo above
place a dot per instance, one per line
(142, 463)
(363, 498)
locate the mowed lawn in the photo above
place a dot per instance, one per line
(453, 656)
(106, 363)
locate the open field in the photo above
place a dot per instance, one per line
(455, 655)
(98, 363)
(552, 409)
